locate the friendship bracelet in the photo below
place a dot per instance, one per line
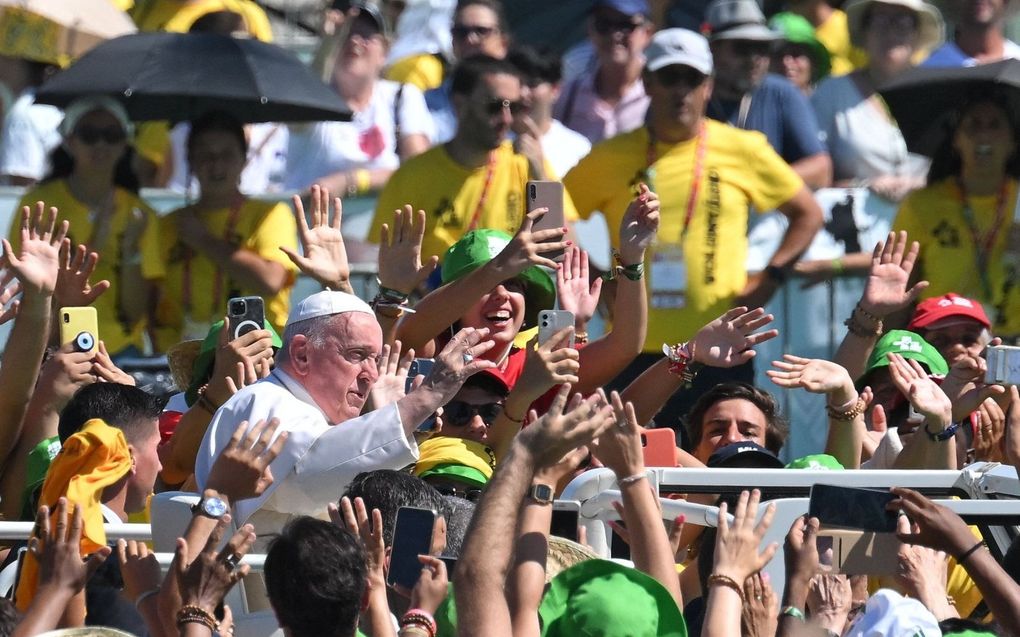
(971, 551)
(144, 596)
(637, 477)
(725, 580)
(793, 611)
(192, 614)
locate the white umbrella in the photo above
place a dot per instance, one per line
(58, 31)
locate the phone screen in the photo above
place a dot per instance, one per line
(412, 536)
(564, 524)
(852, 508)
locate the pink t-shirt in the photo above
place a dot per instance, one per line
(580, 108)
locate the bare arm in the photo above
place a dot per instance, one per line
(921, 451)
(805, 221)
(815, 170)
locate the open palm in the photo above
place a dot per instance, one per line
(325, 255)
(37, 261)
(886, 290)
(727, 341)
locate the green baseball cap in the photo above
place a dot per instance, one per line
(477, 248)
(816, 461)
(797, 30)
(908, 345)
(600, 597)
(207, 356)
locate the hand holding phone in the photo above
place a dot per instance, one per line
(551, 322)
(565, 518)
(245, 314)
(412, 536)
(852, 508)
(80, 325)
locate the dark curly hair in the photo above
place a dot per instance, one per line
(775, 431)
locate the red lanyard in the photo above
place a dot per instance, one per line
(984, 242)
(228, 235)
(490, 169)
(699, 166)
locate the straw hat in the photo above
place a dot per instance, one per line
(930, 27)
(563, 554)
(87, 631)
(181, 359)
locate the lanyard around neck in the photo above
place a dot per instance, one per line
(699, 165)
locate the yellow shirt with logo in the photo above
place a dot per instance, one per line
(934, 216)
(177, 17)
(740, 169)
(262, 227)
(450, 195)
(114, 333)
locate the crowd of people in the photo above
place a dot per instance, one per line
(315, 437)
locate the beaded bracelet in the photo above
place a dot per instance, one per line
(725, 580)
(846, 415)
(191, 614)
(420, 618)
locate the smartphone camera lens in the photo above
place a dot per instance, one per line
(534, 191)
(67, 317)
(238, 308)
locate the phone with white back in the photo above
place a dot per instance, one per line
(566, 515)
(1003, 365)
(552, 321)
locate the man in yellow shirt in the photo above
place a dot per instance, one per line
(708, 175)
(475, 180)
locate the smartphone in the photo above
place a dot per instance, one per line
(80, 325)
(245, 314)
(659, 447)
(547, 194)
(552, 321)
(565, 517)
(451, 565)
(852, 508)
(412, 536)
(1003, 365)
(419, 366)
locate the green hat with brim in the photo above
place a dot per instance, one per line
(467, 475)
(603, 598)
(817, 461)
(207, 356)
(797, 30)
(908, 345)
(477, 248)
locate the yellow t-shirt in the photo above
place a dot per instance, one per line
(262, 227)
(834, 34)
(112, 331)
(934, 217)
(450, 193)
(177, 16)
(424, 71)
(152, 141)
(740, 170)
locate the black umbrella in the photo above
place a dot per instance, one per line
(179, 76)
(924, 99)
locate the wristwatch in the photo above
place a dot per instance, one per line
(211, 507)
(943, 435)
(775, 273)
(541, 493)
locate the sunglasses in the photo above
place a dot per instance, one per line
(750, 48)
(471, 495)
(463, 31)
(679, 75)
(91, 136)
(496, 106)
(459, 413)
(606, 26)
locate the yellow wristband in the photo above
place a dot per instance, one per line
(363, 179)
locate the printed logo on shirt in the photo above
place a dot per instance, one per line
(445, 214)
(712, 236)
(946, 235)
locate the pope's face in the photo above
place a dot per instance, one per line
(344, 366)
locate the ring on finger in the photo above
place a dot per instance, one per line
(468, 358)
(232, 561)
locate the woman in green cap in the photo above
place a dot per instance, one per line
(800, 57)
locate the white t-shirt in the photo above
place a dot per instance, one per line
(267, 158)
(369, 140)
(29, 136)
(563, 148)
(863, 143)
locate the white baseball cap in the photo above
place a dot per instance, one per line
(327, 303)
(679, 46)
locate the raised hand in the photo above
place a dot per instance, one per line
(736, 546)
(547, 365)
(829, 598)
(815, 375)
(801, 552)
(38, 260)
(932, 525)
(728, 340)
(58, 550)
(139, 569)
(10, 287)
(242, 470)
(639, 226)
(431, 588)
(760, 612)
(325, 255)
(392, 381)
(922, 574)
(354, 517)
(529, 248)
(74, 288)
(892, 262)
(575, 293)
(105, 371)
(619, 447)
(400, 266)
(209, 577)
(247, 373)
(922, 392)
(566, 426)
(457, 361)
(249, 350)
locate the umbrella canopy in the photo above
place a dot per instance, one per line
(58, 31)
(923, 100)
(179, 76)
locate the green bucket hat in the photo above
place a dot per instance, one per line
(477, 248)
(797, 30)
(908, 345)
(602, 598)
(207, 355)
(816, 461)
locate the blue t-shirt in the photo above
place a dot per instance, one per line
(780, 111)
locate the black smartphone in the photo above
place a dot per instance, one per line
(852, 508)
(412, 536)
(419, 367)
(245, 314)
(565, 517)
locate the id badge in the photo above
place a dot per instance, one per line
(668, 280)
(194, 330)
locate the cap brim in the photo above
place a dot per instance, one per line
(756, 32)
(749, 460)
(679, 60)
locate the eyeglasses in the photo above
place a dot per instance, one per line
(459, 413)
(360, 356)
(464, 31)
(679, 75)
(606, 26)
(91, 135)
(472, 495)
(496, 106)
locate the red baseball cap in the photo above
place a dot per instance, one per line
(940, 307)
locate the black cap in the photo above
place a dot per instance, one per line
(744, 455)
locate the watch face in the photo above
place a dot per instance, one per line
(214, 507)
(542, 493)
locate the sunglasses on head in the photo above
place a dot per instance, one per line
(459, 413)
(605, 26)
(91, 135)
(471, 495)
(496, 106)
(463, 31)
